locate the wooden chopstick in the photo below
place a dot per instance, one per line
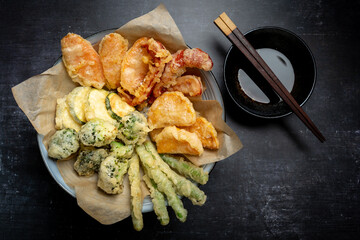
(227, 26)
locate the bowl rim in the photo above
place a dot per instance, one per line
(300, 41)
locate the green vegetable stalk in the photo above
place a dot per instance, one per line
(135, 191)
(183, 186)
(186, 169)
(163, 183)
(158, 201)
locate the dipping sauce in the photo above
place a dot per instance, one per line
(256, 87)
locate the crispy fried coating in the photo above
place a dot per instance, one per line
(141, 69)
(179, 141)
(182, 59)
(111, 174)
(171, 108)
(63, 117)
(154, 133)
(112, 50)
(189, 85)
(206, 133)
(63, 143)
(82, 62)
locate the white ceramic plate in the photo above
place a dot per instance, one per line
(212, 92)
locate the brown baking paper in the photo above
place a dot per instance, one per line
(229, 141)
(37, 98)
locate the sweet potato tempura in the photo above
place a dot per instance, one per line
(82, 62)
(112, 50)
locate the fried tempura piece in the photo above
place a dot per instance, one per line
(171, 108)
(63, 117)
(141, 69)
(88, 161)
(183, 186)
(206, 133)
(163, 183)
(63, 143)
(135, 191)
(189, 85)
(154, 133)
(192, 58)
(176, 140)
(97, 133)
(82, 62)
(112, 50)
(158, 200)
(186, 168)
(111, 174)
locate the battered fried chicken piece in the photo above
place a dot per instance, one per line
(171, 108)
(182, 59)
(112, 50)
(206, 133)
(82, 62)
(141, 69)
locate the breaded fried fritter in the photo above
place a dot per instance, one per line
(82, 62)
(63, 117)
(88, 161)
(111, 174)
(206, 133)
(112, 49)
(63, 143)
(97, 133)
(189, 85)
(154, 133)
(179, 141)
(141, 69)
(182, 59)
(171, 109)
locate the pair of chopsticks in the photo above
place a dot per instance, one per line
(225, 24)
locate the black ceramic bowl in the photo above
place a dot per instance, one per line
(289, 58)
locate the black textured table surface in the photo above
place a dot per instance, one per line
(283, 184)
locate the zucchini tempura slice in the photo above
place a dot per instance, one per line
(82, 62)
(112, 50)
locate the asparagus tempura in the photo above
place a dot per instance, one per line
(163, 183)
(158, 201)
(186, 168)
(135, 190)
(183, 186)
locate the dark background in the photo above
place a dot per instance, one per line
(284, 184)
